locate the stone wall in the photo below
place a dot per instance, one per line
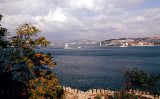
(71, 93)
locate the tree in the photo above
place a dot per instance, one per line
(3, 33)
(8, 86)
(30, 68)
(140, 80)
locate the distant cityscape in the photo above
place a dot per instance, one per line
(74, 43)
(121, 42)
(147, 41)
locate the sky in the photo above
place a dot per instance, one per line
(84, 19)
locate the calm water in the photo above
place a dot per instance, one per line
(102, 67)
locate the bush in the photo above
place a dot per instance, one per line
(139, 80)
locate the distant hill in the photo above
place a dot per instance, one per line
(146, 41)
(74, 42)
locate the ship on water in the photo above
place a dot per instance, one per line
(66, 46)
(124, 45)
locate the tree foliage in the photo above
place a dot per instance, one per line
(137, 79)
(23, 64)
(3, 33)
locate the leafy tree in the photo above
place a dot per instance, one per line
(8, 86)
(3, 33)
(137, 79)
(28, 67)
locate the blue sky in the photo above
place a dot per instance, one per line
(151, 4)
(84, 19)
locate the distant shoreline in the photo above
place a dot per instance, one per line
(95, 47)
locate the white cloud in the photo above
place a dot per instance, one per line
(91, 19)
(89, 4)
(56, 15)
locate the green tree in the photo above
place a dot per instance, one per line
(8, 86)
(34, 67)
(27, 66)
(3, 33)
(137, 79)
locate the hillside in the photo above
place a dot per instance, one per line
(146, 41)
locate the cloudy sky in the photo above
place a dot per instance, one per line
(84, 19)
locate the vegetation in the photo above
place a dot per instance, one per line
(97, 97)
(3, 33)
(124, 95)
(25, 73)
(139, 80)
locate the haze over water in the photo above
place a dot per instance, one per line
(102, 67)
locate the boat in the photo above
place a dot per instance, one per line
(123, 45)
(66, 46)
(100, 44)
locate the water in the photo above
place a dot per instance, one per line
(102, 67)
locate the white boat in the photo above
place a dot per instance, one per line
(66, 46)
(100, 44)
(123, 45)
